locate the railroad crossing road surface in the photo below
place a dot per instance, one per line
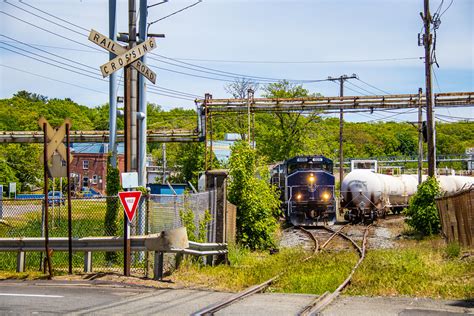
(83, 298)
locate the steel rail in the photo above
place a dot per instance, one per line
(213, 308)
(315, 307)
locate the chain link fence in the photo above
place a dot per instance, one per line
(155, 213)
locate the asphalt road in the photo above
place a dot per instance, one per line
(83, 298)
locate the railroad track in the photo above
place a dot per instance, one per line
(315, 306)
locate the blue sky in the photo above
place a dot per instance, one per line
(337, 37)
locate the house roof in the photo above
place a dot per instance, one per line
(95, 148)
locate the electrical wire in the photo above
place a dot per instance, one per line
(383, 91)
(49, 78)
(51, 32)
(153, 90)
(351, 83)
(54, 16)
(39, 16)
(298, 62)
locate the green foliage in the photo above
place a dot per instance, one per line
(257, 201)
(453, 250)
(422, 213)
(110, 220)
(188, 219)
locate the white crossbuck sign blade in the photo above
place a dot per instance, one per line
(129, 57)
(114, 47)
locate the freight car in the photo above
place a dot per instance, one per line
(368, 195)
(306, 184)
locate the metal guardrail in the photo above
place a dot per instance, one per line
(91, 244)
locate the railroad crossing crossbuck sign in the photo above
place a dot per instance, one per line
(124, 57)
(129, 200)
(55, 138)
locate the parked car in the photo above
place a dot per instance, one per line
(57, 199)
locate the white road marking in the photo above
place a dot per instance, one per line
(30, 295)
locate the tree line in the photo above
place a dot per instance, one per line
(278, 135)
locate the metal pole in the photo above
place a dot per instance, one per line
(142, 101)
(69, 206)
(429, 97)
(113, 82)
(46, 189)
(420, 137)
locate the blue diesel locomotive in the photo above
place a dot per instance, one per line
(306, 184)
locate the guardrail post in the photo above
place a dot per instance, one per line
(88, 261)
(158, 266)
(20, 261)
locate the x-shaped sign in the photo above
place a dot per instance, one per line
(117, 63)
(55, 139)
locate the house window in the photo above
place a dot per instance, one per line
(94, 179)
(85, 164)
(85, 181)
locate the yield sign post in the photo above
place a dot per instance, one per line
(129, 200)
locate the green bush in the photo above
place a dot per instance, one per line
(422, 213)
(110, 220)
(187, 218)
(258, 205)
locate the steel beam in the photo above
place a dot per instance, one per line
(177, 136)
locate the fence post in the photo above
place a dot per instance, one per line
(158, 266)
(217, 180)
(147, 229)
(20, 261)
(87, 261)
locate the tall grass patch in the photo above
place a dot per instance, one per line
(422, 270)
(324, 272)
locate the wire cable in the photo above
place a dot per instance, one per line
(49, 78)
(383, 91)
(54, 16)
(39, 16)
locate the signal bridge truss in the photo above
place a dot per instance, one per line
(368, 103)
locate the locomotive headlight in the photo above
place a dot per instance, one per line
(298, 196)
(326, 196)
(311, 178)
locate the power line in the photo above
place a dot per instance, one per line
(157, 88)
(383, 91)
(361, 88)
(48, 31)
(49, 78)
(45, 51)
(39, 16)
(54, 16)
(299, 62)
(154, 90)
(51, 64)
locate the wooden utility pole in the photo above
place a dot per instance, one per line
(420, 136)
(341, 80)
(427, 39)
(249, 99)
(131, 144)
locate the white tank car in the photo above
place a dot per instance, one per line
(370, 194)
(365, 189)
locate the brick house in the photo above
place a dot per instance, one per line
(89, 165)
